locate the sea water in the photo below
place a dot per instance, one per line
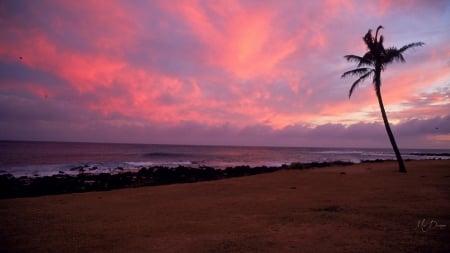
(38, 159)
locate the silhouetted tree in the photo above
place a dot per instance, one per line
(371, 64)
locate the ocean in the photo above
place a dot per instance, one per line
(38, 159)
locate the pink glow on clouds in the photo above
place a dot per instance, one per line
(241, 42)
(229, 65)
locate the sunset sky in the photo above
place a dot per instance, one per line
(220, 72)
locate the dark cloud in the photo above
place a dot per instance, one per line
(17, 73)
(411, 134)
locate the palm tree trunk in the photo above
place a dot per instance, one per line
(401, 165)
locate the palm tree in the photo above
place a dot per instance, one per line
(371, 64)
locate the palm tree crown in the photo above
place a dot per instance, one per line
(375, 59)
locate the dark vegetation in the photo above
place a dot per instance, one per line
(12, 187)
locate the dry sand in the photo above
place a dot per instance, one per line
(370, 208)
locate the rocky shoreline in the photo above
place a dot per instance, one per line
(12, 187)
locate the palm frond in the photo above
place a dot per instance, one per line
(353, 58)
(392, 54)
(381, 40)
(411, 45)
(361, 61)
(360, 80)
(368, 59)
(368, 40)
(376, 33)
(356, 72)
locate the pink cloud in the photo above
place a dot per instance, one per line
(273, 65)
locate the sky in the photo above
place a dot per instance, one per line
(225, 72)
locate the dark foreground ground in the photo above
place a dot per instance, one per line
(366, 207)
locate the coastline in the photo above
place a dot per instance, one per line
(366, 207)
(86, 181)
(40, 159)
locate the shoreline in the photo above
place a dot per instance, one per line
(39, 159)
(85, 181)
(14, 187)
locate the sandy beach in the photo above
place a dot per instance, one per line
(366, 207)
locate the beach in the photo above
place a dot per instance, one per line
(367, 207)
